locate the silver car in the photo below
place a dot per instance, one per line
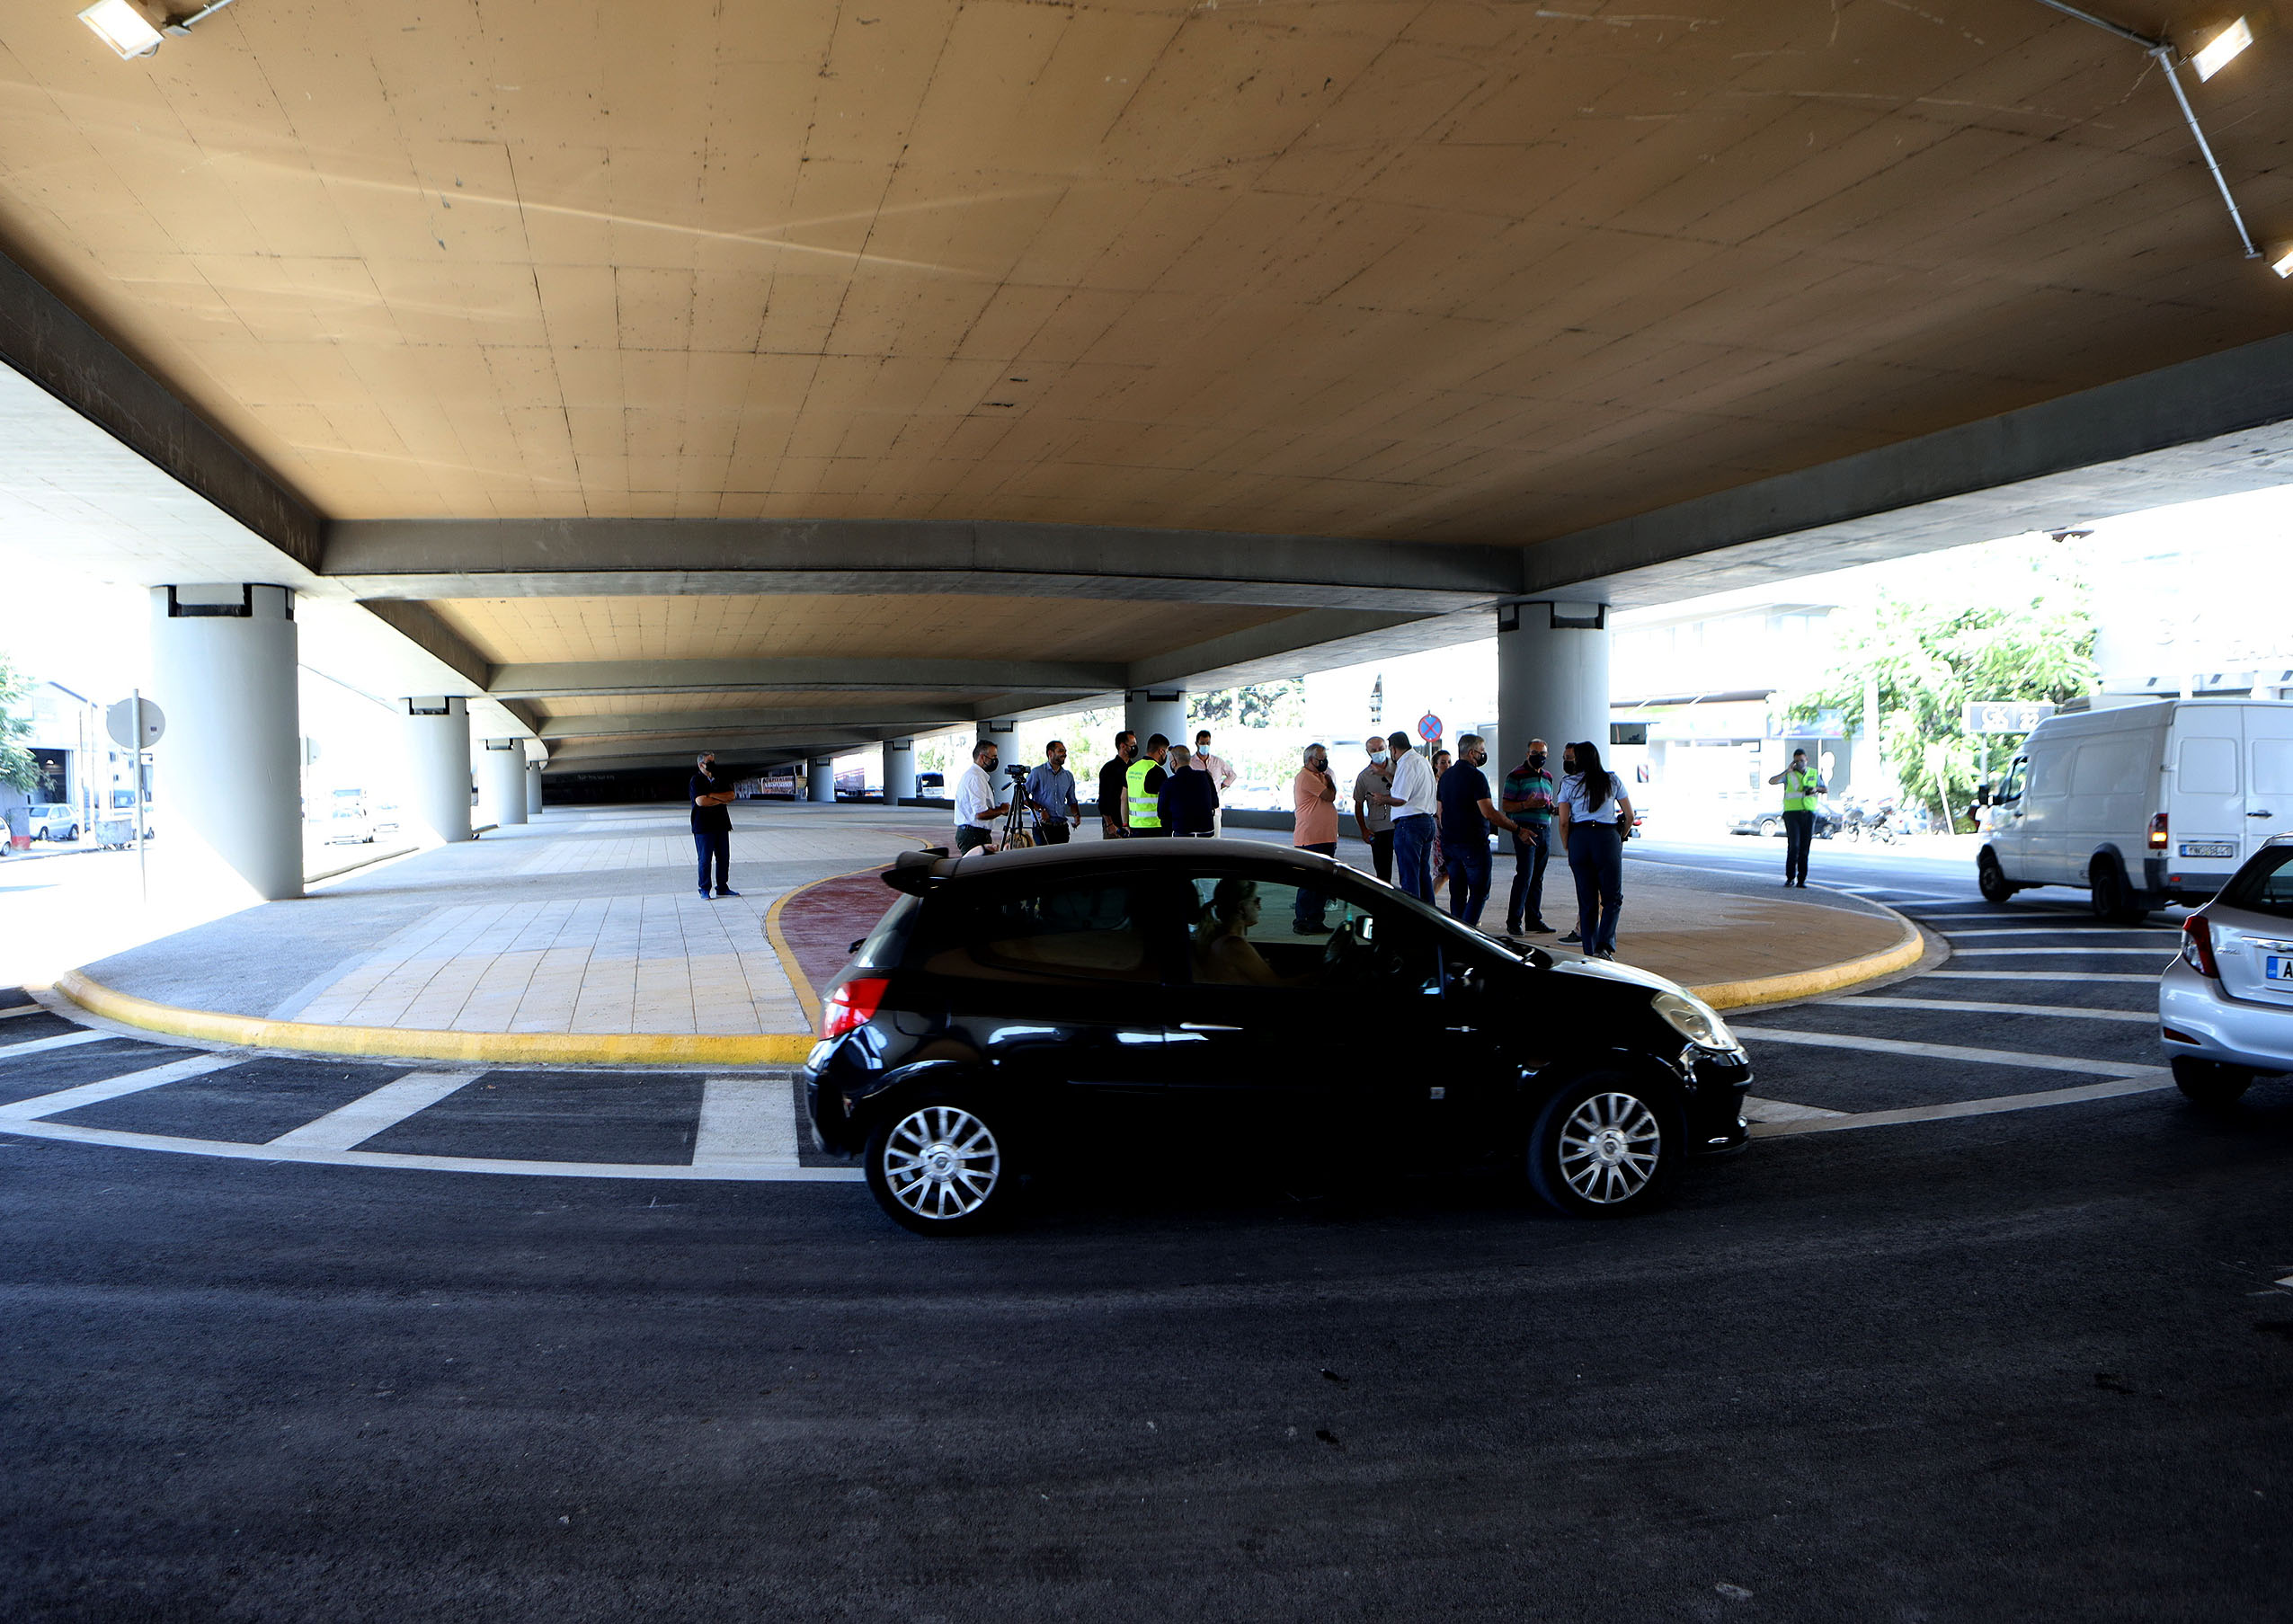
(2225, 1007)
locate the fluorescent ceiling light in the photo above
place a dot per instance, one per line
(2223, 49)
(2284, 267)
(119, 25)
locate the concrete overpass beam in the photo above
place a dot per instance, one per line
(438, 762)
(223, 674)
(1551, 678)
(502, 782)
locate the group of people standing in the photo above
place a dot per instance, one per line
(1159, 789)
(1410, 809)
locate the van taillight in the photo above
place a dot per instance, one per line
(2157, 832)
(2197, 946)
(851, 1005)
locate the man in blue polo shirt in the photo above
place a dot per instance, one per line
(1467, 810)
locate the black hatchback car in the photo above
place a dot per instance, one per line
(1124, 1010)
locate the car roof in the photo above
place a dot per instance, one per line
(919, 870)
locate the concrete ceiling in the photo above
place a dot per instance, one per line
(1461, 283)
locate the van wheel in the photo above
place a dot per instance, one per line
(2209, 1083)
(937, 1166)
(2112, 899)
(1608, 1146)
(1991, 878)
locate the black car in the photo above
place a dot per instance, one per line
(1124, 1010)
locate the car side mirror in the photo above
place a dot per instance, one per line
(856, 945)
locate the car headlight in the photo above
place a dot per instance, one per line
(1699, 1025)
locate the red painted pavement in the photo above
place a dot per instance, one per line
(821, 924)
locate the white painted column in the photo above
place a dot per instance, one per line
(228, 788)
(438, 763)
(502, 782)
(820, 778)
(1551, 678)
(1147, 712)
(533, 789)
(899, 771)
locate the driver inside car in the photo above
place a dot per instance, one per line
(1223, 952)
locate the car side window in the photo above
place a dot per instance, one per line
(1245, 931)
(2012, 791)
(1081, 930)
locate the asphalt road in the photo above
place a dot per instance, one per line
(2030, 1363)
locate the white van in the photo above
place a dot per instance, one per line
(2142, 802)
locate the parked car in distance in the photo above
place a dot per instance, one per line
(53, 821)
(2225, 1005)
(1153, 1004)
(1772, 823)
(356, 821)
(2140, 802)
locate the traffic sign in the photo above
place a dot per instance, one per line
(119, 722)
(2006, 715)
(1428, 727)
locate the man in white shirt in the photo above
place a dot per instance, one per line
(975, 813)
(1221, 774)
(1415, 818)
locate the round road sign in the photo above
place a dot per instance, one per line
(119, 722)
(1428, 727)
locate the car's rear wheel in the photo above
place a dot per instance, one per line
(939, 1166)
(1992, 879)
(1770, 826)
(1607, 1145)
(2211, 1083)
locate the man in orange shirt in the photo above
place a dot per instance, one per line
(1315, 794)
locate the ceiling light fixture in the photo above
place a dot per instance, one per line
(2224, 49)
(2227, 43)
(127, 28)
(2284, 267)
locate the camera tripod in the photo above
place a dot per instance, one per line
(1022, 825)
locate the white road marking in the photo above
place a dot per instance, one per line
(2000, 953)
(2038, 975)
(1759, 1110)
(2056, 930)
(2067, 1011)
(1891, 893)
(1953, 1051)
(42, 1045)
(13, 1010)
(428, 1164)
(112, 1088)
(371, 1114)
(746, 1121)
(1970, 1107)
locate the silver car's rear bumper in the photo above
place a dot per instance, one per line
(2222, 1028)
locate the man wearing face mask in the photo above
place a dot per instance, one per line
(712, 824)
(1467, 811)
(1372, 816)
(1528, 799)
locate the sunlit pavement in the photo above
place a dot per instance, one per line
(2028, 1363)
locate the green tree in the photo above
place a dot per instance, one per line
(2027, 635)
(1262, 705)
(17, 768)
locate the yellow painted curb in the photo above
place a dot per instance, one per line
(476, 1048)
(1829, 978)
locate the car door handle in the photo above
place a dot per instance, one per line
(1205, 1026)
(1469, 1030)
(2260, 814)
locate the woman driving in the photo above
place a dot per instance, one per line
(1222, 951)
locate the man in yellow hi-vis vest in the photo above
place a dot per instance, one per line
(1143, 788)
(1802, 788)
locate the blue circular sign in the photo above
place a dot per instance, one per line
(1428, 727)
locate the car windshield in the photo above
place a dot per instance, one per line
(2264, 885)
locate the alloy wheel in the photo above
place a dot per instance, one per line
(1610, 1148)
(940, 1162)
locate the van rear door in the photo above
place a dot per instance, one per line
(2268, 773)
(2205, 809)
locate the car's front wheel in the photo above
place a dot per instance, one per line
(1607, 1145)
(2209, 1083)
(939, 1167)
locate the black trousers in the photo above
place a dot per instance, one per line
(1382, 854)
(1798, 834)
(715, 843)
(1052, 833)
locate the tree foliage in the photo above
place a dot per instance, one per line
(2016, 628)
(17, 768)
(1262, 705)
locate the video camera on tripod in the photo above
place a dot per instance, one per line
(1022, 824)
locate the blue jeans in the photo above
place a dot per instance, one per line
(1468, 863)
(1307, 915)
(1596, 857)
(1413, 855)
(1525, 904)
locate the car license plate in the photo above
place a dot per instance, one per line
(2277, 969)
(2208, 848)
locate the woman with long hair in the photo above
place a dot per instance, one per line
(1595, 817)
(1222, 949)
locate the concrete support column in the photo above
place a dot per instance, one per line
(899, 771)
(502, 782)
(533, 789)
(438, 763)
(1147, 712)
(1551, 678)
(1001, 732)
(229, 768)
(820, 778)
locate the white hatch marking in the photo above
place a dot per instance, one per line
(2120, 952)
(1971, 1107)
(1953, 1051)
(13, 1010)
(42, 1045)
(2056, 930)
(1970, 1007)
(1759, 1110)
(112, 1088)
(746, 1121)
(371, 1114)
(2039, 975)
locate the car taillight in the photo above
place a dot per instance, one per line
(853, 1004)
(2197, 946)
(2157, 832)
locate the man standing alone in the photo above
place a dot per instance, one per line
(1314, 793)
(1527, 795)
(712, 799)
(1802, 787)
(1051, 791)
(1114, 790)
(1372, 816)
(1466, 814)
